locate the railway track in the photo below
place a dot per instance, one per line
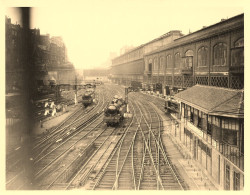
(107, 176)
(67, 127)
(138, 160)
(63, 150)
(95, 157)
(165, 166)
(16, 170)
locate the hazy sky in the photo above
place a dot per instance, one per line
(93, 29)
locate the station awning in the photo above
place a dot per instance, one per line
(214, 100)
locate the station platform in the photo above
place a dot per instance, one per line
(41, 127)
(192, 174)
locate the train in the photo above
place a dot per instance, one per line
(172, 106)
(135, 86)
(114, 113)
(88, 97)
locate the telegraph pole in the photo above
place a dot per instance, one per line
(75, 89)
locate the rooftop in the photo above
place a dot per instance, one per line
(205, 32)
(214, 100)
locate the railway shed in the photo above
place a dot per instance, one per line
(211, 127)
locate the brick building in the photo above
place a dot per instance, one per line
(47, 57)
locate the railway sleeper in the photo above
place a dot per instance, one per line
(78, 162)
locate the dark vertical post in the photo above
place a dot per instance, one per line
(75, 89)
(229, 62)
(210, 62)
(29, 89)
(173, 66)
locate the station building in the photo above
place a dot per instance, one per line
(131, 65)
(209, 123)
(212, 56)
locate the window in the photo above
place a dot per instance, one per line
(216, 128)
(220, 54)
(187, 112)
(203, 56)
(177, 60)
(196, 112)
(204, 122)
(161, 63)
(230, 129)
(150, 65)
(227, 178)
(199, 125)
(209, 126)
(238, 53)
(155, 64)
(204, 147)
(188, 60)
(236, 181)
(191, 115)
(169, 61)
(239, 43)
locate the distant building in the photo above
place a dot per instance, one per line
(45, 55)
(108, 62)
(126, 49)
(95, 73)
(130, 66)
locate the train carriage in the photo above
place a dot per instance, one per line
(172, 107)
(136, 86)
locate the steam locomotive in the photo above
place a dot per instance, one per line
(114, 113)
(88, 98)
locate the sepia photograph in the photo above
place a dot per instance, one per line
(123, 95)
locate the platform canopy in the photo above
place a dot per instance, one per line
(214, 100)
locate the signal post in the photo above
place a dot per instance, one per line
(127, 90)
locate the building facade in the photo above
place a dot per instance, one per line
(47, 56)
(211, 56)
(131, 65)
(209, 124)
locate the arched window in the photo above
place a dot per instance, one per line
(177, 60)
(188, 63)
(161, 63)
(203, 56)
(238, 53)
(150, 65)
(239, 42)
(155, 64)
(220, 54)
(169, 62)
